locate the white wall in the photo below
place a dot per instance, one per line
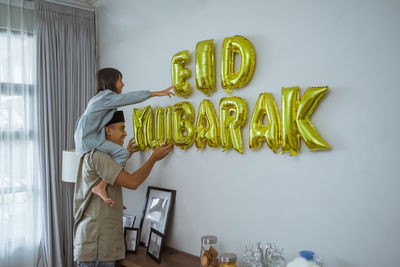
(343, 203)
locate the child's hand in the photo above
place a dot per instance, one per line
(167, 92)
(132, 148)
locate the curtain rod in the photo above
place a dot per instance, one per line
(27, 4)
(70, 4)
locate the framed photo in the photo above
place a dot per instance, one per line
(156, 245)
(131, 235)
(128, 220)
(159, 203)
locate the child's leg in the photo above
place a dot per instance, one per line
(120, 155)
(117, 152)
(100, 189)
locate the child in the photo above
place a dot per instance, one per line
(90, 133)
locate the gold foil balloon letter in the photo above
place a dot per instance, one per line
(183, 124)
(290, 136)
(205, 66)
(168, 125)
(179, 74)
(159, 123)
(258, 133)
(207, 126)
(143, 127)
(241, 46)
(232, 116)
(308, 103)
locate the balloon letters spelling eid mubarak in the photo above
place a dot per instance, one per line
(177, 123)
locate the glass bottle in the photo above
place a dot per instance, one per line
(228, 260)
(247, 257)
(258, 254)
(209, 251)
(273, 256)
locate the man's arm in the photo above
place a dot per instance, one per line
(134, 180)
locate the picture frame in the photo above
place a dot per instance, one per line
(156, 213)
(128, 220)
(131, 237)
(156, 245)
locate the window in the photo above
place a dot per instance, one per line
(19, 197)
(16, 110)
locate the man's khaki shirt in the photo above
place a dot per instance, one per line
(98, 232)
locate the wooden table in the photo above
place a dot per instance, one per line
(170, 258)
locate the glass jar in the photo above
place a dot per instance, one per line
(209, 251)
(228, 260)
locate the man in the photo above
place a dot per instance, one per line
(98, 236)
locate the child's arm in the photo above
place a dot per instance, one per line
(166, 92)
(113, 100)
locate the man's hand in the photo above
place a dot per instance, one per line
(132, 148)
(161, 152)
(134, 180)
(167, 92)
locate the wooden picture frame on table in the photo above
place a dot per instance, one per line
(131, 237)
(155, 245)
(157, 210)
(128, 220)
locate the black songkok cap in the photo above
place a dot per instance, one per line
(117, 117)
